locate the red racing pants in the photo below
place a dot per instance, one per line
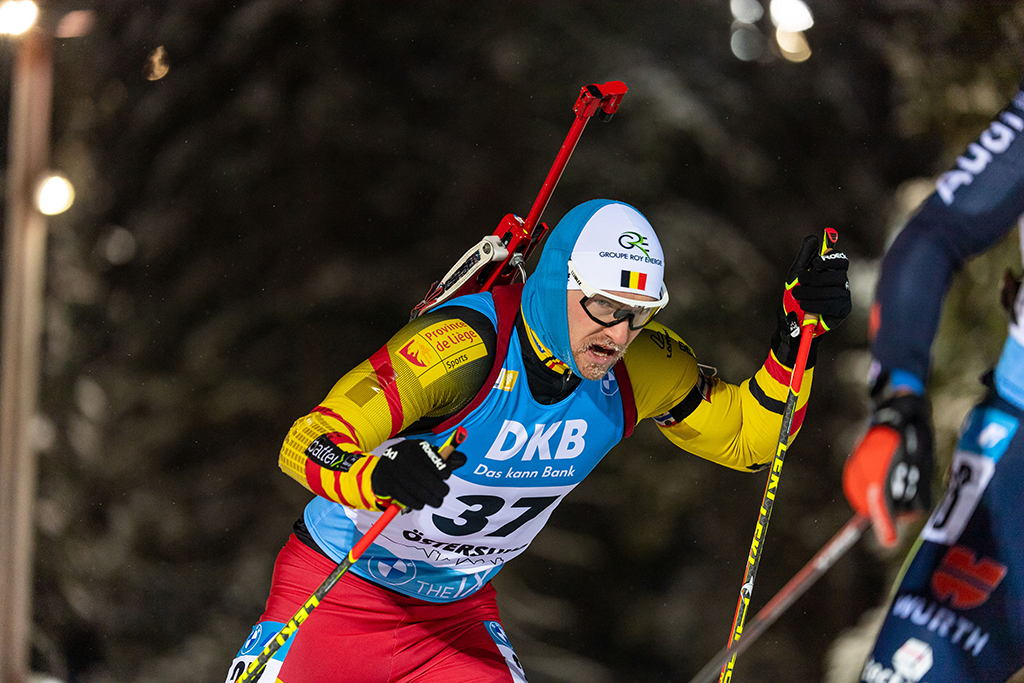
(362, 633)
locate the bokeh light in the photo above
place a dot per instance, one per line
(791, 15)
(119, 246)
(17, 16)
(156, 65)
(793, 45)
(55, 195)
(747, 43)
(747, 11)
(75, 24)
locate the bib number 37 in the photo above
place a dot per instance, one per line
(480, 508)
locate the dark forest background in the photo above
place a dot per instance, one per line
(254, 223)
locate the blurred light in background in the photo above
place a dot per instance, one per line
(747, 43)
(791, 15)
(75, 24)
(747, 11)
(793, 45)
(156, 65)
(120, 246)
(791, 19)
(42, 678)
(54, 195)
(17, 16)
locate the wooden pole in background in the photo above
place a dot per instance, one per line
(24, 271)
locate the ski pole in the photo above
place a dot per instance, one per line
(809, 322)
(797, 586)
(256, 667)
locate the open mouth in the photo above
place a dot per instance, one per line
(602, 353)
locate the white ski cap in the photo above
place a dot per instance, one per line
(618, 251)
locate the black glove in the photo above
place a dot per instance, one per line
(816, 284)
(889, 473)
(413, 474)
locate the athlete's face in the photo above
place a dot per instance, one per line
(596, 348)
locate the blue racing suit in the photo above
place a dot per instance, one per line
(957, 614)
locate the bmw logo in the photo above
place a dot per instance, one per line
(609, 386)
(392, 570)
(254, 638)
(498, 633)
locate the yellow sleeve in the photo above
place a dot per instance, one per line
(738, 426)
(733, 425)
(431, 369)
(662, 370)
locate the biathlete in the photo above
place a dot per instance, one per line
(957, 614)
(539, 376)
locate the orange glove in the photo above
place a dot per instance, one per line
(888, 475)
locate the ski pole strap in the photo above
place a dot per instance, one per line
(829, 554)
(255, 669)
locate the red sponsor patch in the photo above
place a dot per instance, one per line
(965, 582)
(413, 353)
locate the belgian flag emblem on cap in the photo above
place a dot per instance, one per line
(633, 280)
